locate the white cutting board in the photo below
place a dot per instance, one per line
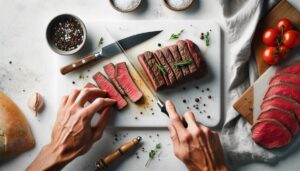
(147, 114)
(261, 85)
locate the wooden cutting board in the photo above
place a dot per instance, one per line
(244, 105)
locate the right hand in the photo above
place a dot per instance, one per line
(197, 146)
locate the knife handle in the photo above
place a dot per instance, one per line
(77, 64)
(163, 109)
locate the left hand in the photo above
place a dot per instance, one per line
(73, 134)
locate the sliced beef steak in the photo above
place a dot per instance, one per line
(270, 133)
(164, 74)
(172, 60)
(282, 102)
(194, 54)
(285, 89)
(177, 56)
(110, 71)
(186, 56)
(285, 117)
(148, 62)
(292, 69)
(126, 82)
(112, 92)
(286, 77)
(169, 72)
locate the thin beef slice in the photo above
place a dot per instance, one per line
(169, 72)
(270, 133)
(177, 57)
(285, 117)
(126, 82)
(285, 89)
(148, 62)
(292, 69)
(164, 74)
(185, 55)
(112, 92)
(286, 77)
(282, 102)
(110, 71)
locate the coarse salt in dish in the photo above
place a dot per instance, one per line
(179, 4)
(126, 5)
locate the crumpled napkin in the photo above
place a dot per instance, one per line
(241, 18)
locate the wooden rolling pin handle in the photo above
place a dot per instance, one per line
(105, 162)
(77, 64)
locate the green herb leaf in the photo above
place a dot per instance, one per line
(207, 42)
(158, 146)
(183, 63)
(161, 68)
(101, 41)
(81, 76)
(152, 154)
(176, 36)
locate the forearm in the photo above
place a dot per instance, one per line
(50, 158)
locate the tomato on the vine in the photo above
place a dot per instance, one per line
(291, 38)
(284, 24)
(270, 37)
(282, 52)
(270, 55)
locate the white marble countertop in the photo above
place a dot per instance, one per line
(32, 68)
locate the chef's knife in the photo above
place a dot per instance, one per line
(110, 50)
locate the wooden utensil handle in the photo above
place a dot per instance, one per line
(106, 161)
(77, 64)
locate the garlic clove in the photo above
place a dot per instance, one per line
(35, 102)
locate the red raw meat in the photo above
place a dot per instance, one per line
(110, 71)
(283, 102)
(125, 81)
(285, 89)
(292, 69)
(112, 92)
(285, 117)
(286, 77)
(270, 133)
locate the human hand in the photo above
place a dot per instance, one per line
(197, 146)
(73, 134)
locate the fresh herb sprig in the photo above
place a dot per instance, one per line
(177, 35)
(153, 153)
(183, 63)
(207, 39)
(101, 41)
(162, 69)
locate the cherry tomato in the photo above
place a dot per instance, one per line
(270, 37)
(291, 38)
(270, 55)
(282, 52)
(284, 24)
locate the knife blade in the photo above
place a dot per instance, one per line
(160, 102)
(110, 50)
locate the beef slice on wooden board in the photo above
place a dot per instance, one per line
(283, 102)
(126, 82)
(112, 92)
(285, 89)
(270, 134)
(110, 71)
(286, 77)
(171, 59)
(178, 58)
(292, 69)
(169, 72)
(186, 56)
(286, 118)
(148, 62)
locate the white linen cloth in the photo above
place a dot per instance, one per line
(241, 18)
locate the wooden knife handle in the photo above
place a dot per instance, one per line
(77, 64)
(106, 161)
